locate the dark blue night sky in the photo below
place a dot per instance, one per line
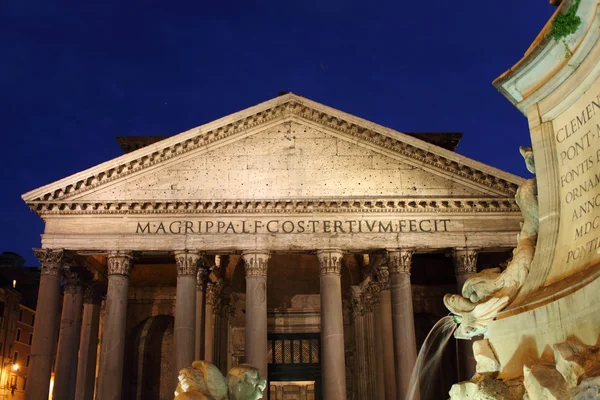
(74, 74)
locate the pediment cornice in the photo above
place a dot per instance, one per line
(278, 206)
(286, 107)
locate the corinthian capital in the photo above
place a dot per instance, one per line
(51, 260)
(187, 262)
(92, 293)
(330, 261)
(464, 260)
(400, 260)
(213, 291)
(256, 263)
(120, 263)
(73, 280)
(383, 276)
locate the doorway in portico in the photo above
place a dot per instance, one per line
(294, 366)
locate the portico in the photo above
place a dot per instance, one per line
(287, 217)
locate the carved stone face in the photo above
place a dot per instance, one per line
(245, 383)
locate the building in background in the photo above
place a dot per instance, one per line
(18, 297)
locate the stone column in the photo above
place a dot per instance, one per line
(256, 309)
(212, 292)
(386, 332)
(65, 370)
(88, 345)
(110, 371)
(370, 345)
(378, 326)
(405, 344)
(184, 330)
(201, 277)
(465, 265)
(332, 326)
(44, 337)
(360, 378)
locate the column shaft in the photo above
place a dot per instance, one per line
(359, 356)
(405, 344)
(332, 326)
(185, 308)
(387, 334)
(112, 348)
(209, 329)
(370, 352)
(256, 310)
(379, 369)
(200, 314)
(65, 373)
(88, 346)
(44, 337)
(465, 265)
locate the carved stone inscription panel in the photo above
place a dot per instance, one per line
(279, 232)
(577, 139)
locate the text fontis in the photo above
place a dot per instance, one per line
(186, 227)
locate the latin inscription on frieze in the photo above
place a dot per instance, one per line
(282, 226)
(577, 136)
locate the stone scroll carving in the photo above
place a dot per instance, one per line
(488, 292)
(204, 381)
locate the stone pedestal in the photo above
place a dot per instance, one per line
(465, 265)
(65, 370)
(405, 345)
(88, 345)
(201, 276)
(256, 310)
(44, 338)
(185, 308)
(332, 326)
(110, 373)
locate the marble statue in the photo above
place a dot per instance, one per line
(204, 381)
(488, 292)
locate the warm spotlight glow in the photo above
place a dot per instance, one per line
(14, 283)
(15, 367)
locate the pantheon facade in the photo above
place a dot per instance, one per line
(308, 242)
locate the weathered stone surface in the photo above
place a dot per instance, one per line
(543, 382)
(588, 389)
(572, 360)
(487, 363)
(483, 387)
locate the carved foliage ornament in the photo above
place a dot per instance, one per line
(51, 260)
(256, 263)
(400, 261)
(330, 261)
(92, 293)
(213, 290)
(120, 263)
(465, 261)
(383, 277)
(73, 281)
(187, 262)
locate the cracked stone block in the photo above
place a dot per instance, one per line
(487, 363)
(543, 382)
(572, 360)
(484, 387)
(588, 389)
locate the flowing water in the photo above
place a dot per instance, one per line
(429, 358)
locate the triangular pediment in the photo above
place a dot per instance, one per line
(286, 148)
